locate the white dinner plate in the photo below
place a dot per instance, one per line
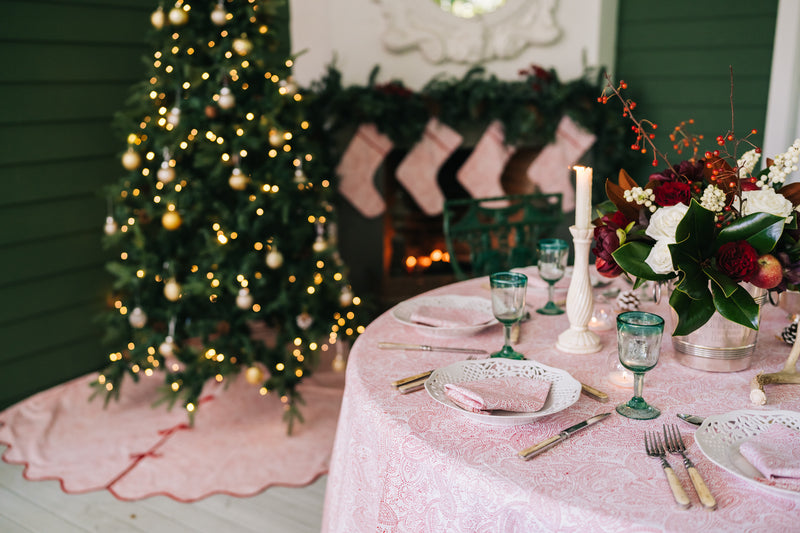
(564, 389)
(403, 312)
(720, 436)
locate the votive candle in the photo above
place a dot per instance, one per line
(583, 197)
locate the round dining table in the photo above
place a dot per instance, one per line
(409, 463)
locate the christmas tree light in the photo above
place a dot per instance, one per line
(224, 221)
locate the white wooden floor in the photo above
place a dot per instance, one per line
(42, 507)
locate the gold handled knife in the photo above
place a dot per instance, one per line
(563, 435)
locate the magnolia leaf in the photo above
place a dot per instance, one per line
(761, 230)
(616, 193)
(692, 281)
(791, 192)
(739, 307)
(724, 282)
(695, 231)
(691, 313)
(630, 257)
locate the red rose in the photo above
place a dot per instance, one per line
(606, 243)
(672, 192)
(737, 259)
(615, 220)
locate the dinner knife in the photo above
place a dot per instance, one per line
(427, 348)
(546, 444)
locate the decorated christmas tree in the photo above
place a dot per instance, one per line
(222, 226)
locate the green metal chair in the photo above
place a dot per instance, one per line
(485, 235)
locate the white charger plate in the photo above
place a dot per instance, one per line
(564, 389)
(403, 312)
(720, 436)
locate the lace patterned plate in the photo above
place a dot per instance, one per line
(564, 389)
(720, 436)
(403, 312)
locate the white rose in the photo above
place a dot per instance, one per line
(665, 221)
(659, 258)
(765, 201)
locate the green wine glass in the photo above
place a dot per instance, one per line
(552, 265)
(508, 305)
(639, 345)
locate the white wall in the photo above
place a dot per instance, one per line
(351, 32)
(783, 106)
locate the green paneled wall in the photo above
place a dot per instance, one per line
(65, 68)
(676, 55)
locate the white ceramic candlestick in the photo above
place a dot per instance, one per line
(580, 301)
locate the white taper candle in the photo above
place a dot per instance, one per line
(583, 197)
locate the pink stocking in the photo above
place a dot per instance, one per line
(356, 170)
(481, 173)
(419, 169)
(550, 171)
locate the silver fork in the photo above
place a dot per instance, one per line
(654, 448)
(675, 445)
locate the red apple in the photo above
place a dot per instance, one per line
(769, 273)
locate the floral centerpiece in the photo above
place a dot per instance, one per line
(710, 224)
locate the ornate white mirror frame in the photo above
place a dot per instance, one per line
(442, 37)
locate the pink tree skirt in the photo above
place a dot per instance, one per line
(238, 444)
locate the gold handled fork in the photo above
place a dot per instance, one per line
(654, 448)
(675, 445)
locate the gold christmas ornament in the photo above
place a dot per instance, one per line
(304, 320)
(165, 173)
(226, 99)
(111, 226)
(178, 16)
(137, 318)
(211, 111)
(242, 46)
(238, 181)
(219, 16)
(300, 176)
(174, 116)
(274, 259)
(346, 297)
(338, 363)
(131, 159)
(172, 290)
(320, 245)
(168, 347)
(276, 138)
(254, 375)
(171, 220)
(244, 300)
(158, 18)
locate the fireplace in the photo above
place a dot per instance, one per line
(402, 252)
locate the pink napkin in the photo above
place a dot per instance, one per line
(449, 317)
(776, 454)
(511, 393)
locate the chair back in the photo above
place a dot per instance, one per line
(485, 235)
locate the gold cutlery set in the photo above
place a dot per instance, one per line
(673, 443)
(417, 381)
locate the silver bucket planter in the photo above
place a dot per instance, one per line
(719, 345)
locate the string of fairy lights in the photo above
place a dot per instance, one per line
(160, 187)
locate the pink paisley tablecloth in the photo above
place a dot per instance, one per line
(406, 463)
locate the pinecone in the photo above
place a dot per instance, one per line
(628, 301)
(789, 333)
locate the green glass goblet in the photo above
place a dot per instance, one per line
(508, 305)
(639, 345)
(552, 265)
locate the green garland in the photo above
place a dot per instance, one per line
(529, 108)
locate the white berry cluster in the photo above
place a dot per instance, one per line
(641, 196)
(782, 165)
(713, 199)
(747, 163)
